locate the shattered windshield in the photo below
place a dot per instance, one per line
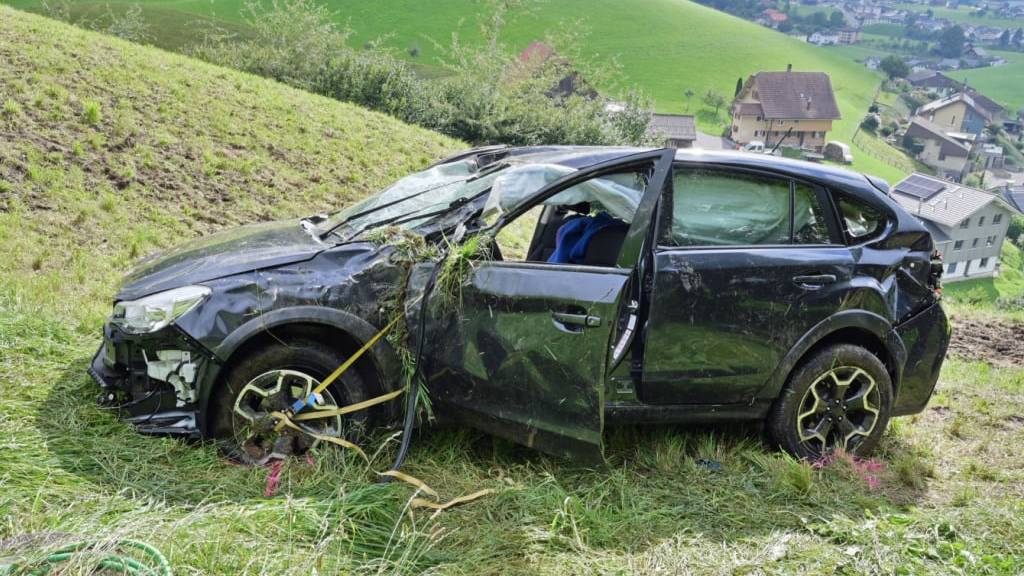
(414, 199)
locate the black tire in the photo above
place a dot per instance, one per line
(843, 416)
(308, 357)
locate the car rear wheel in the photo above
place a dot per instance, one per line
(838, 399)
(271, 379)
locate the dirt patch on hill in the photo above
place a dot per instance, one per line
(993, 341)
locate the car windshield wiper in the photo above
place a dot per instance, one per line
(479, 174)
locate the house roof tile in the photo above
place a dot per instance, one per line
(948, 207)
(923, 129)
(796, 95)
(675, 126)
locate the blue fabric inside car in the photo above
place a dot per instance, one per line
(575, 236)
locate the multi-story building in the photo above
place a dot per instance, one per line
(938, 149)
(796, 108)
(967, 225)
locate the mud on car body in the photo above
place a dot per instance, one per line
(622, 285)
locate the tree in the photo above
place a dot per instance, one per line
(1004, 39)
(785, 26)
(912, 145)
(1018, 38)
(837, 20)
(714, 99)
(894, 67)
(688, 94)
(739, 86)
(870, 122)
(819, 20)
(951, 42)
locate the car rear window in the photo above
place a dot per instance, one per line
(861, 222)
(711, 208)
(725, 208)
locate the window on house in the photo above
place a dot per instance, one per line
(990, 240)
(951, 269)
(974, 243)
(759, 118)
(981, 221)
(958, 245)
(997, 218)
(984, 262)
(942, 155)
(965, 223)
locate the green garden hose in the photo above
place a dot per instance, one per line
(156, 564)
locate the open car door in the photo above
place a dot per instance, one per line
(522, 350)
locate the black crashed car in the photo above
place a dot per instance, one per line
(620, 285)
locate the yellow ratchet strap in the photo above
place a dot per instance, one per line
(438, 507)
(341, 369)
(350, 408)
(285, 421)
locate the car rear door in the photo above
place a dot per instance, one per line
(747, 262)
(523, 351)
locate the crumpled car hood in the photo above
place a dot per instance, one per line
(222, 254)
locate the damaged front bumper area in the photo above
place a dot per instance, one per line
(152, 379)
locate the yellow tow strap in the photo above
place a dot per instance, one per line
(350, 408)
(284, 421)
(288, 420)
(344, 366)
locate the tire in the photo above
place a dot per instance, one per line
(816, 413)
(290, 364)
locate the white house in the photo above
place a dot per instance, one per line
(967, 225)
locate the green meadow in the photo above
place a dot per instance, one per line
(111, 151)
(663, 47)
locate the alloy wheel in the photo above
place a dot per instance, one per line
(276, 391)
(839, 410)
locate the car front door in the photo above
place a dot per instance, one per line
(523, 350)
(746, 263)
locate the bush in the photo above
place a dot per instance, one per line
(1015, 229)
(489, 96)
(870, 122)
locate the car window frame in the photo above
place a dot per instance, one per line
(650, 158)
(888, 220)
(836, 232)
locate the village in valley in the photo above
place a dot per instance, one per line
(966, 147)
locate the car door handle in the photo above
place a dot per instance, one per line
(576, 319)
(815, 279)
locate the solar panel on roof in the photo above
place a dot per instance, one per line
(920, 187)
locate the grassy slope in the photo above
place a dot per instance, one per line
(664, 46)
(982, 294)
(180, 148)
(1001, 83)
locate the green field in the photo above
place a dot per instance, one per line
(110, 151)
(664, 47)
(1004, 84)
(963, 15)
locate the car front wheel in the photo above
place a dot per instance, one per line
(270, 380)
(838, 399)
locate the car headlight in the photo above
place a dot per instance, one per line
(154, 312)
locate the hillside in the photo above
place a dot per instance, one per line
(664, 47)
(109, 150)
(90, 130)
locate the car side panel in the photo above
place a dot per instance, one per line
(926, 337)
(722, 319)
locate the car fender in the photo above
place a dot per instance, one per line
(382, 354)
(877, 325)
